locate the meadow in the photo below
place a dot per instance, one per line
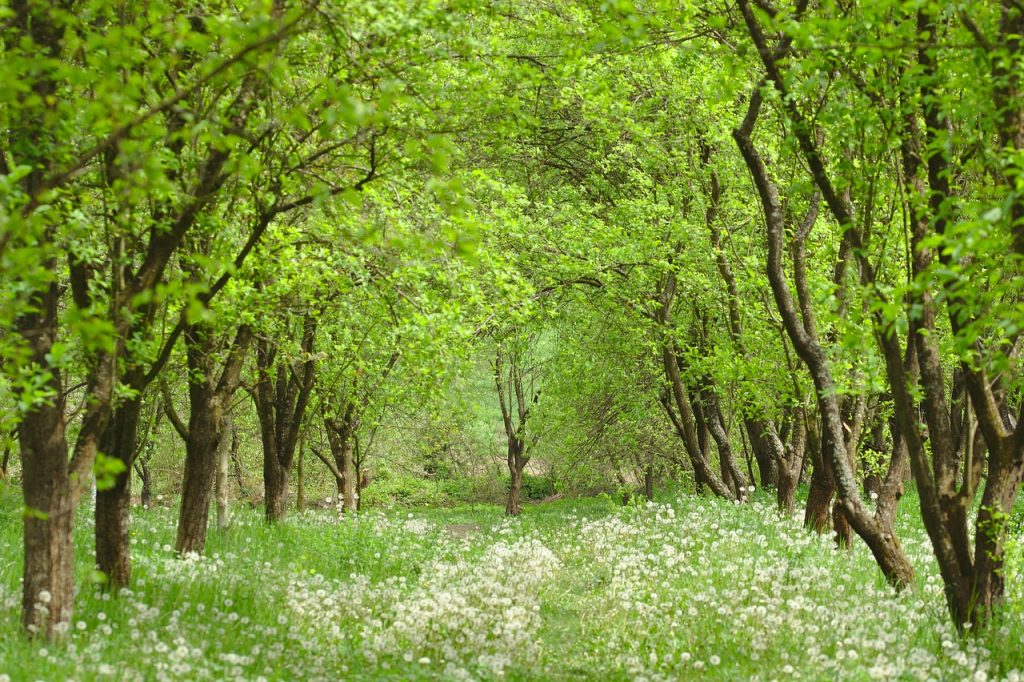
(688, 587)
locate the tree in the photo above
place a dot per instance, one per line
(132, 140)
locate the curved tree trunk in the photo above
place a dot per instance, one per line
(883, 543)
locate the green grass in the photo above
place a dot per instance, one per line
(574, 589)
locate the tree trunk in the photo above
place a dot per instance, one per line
(349, 482)
(791, 464)
(200, 467)
(221, 483)
(989, 581)
(243, 490)
(766, 465)
(48, 582)
(113, 540)
(208, 397)
(785, 494)
(707, 411)
(275, 489)
(819, 496)
(685, 421)
(281, 396)
(513, 506)
(300, 481)
(801, 327)
(113, 505)
(649, 482)
(341, 437)
(146, 477)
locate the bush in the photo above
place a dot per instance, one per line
(402, 490)
(406, 490)
(534, 487)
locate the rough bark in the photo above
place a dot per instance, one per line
(946, 483)
(819, 496)
(791, 463)
(48, 588)
(113, 505)
(47, 485)
(513, 506)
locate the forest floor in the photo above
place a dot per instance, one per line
(689, 588)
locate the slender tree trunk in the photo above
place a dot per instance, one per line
(341, 437)
(300, 480)
(685, 421)
(146, 477)
(281, 396)
(349, 481)
(221, 483)
(515, 415)
(791, 464)
(362, 480)
(801, 328)
(649, 482)
(243, 490)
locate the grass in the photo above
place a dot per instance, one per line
(690, 587)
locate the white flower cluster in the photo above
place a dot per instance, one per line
(463, 617)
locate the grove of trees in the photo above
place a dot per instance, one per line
(739, 244)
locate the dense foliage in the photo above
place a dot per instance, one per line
(314, 254)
